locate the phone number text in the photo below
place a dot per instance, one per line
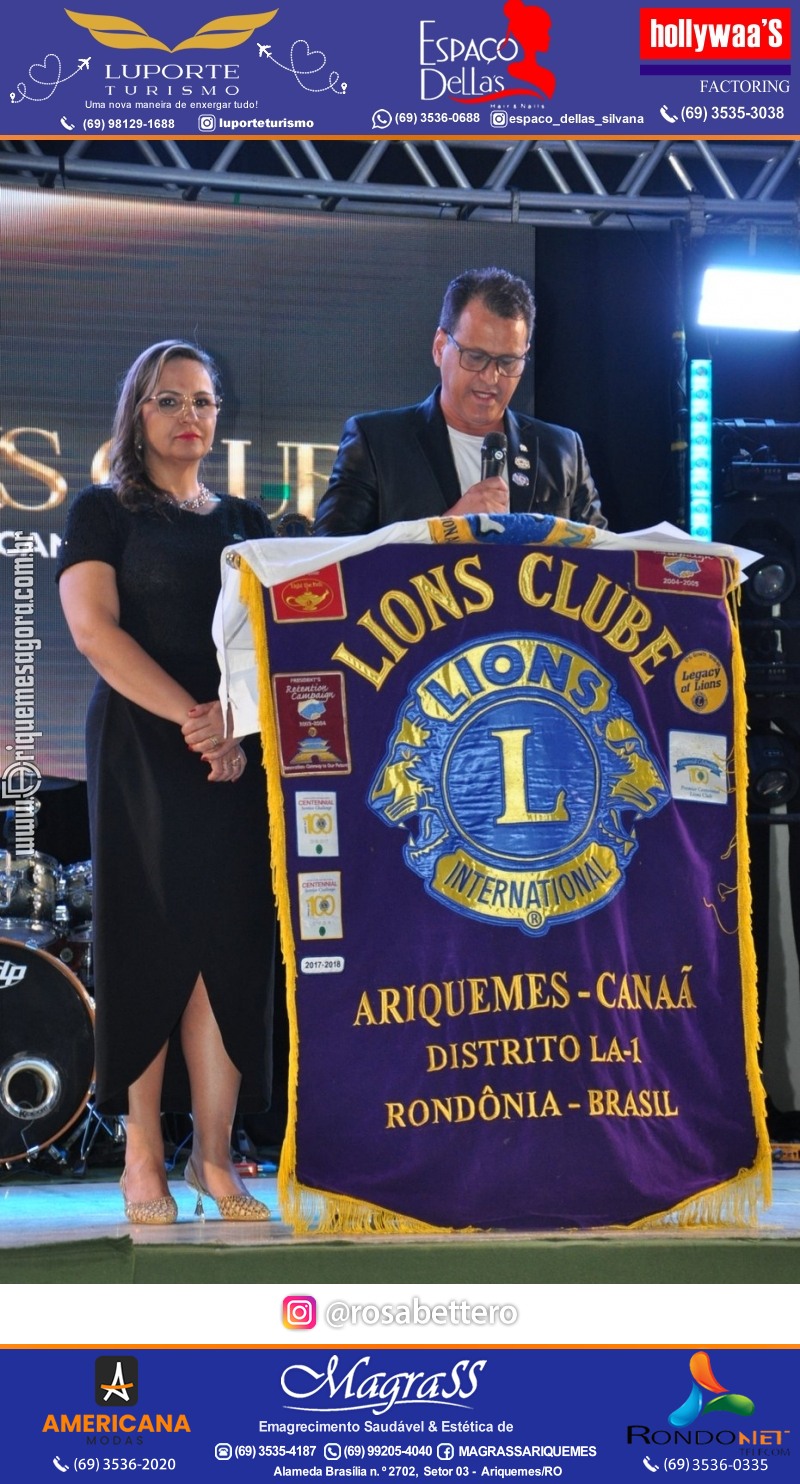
(95, 125)
(695, 1465)
(437, 118)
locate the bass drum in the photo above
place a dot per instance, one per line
(46, 1049)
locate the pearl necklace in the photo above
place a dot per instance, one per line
(195, 502)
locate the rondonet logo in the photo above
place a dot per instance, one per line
(517, 773)
(719, 34)
(707, 1395)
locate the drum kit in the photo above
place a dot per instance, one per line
(46, 1007)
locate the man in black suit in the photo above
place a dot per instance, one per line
(425, 460)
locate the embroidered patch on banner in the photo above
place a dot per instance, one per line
(314, 595)
(320, 904)
(701, 682)
(317, 824)
(475, 771)
(698, 767)
(311, 714)
(679, 572)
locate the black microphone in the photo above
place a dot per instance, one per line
(493, 454)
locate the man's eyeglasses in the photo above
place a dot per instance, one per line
(202, 405)
(478, 360)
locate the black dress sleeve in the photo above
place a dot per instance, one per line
(257, 522)
(93, 532)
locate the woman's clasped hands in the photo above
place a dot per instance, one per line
(204, 733)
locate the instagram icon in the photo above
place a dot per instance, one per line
(299, 1311)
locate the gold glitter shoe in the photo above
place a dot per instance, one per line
(161, 1212)
(239, 1207)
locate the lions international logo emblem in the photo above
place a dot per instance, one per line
(519, 773)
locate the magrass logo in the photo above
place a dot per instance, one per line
(707, 1395)
(116, 1381)
(223, 33)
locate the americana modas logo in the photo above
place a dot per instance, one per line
(518, 774)
(223, 33)
(116, 1380)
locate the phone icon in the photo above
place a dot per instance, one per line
(653, 1467)
(59, 1465)
(65, 125)
(671, 118)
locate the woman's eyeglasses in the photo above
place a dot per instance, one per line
(202, 405)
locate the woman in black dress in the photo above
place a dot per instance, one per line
(184, 918)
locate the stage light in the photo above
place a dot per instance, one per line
(773, 579)
(743, 520)
(774, 767)
(700, 428)
(750, 299)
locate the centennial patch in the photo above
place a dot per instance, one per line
(518, 773)
(698, 767)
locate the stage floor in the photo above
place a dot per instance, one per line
(74, 1231)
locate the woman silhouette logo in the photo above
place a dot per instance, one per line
(530, 27)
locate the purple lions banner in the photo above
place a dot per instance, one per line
(506, 776)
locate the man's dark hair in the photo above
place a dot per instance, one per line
(503, 294)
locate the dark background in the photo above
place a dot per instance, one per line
(313, 318)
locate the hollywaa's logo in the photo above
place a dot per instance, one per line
(527, 35)
(719, 33)
(513, 765)
(225, 32)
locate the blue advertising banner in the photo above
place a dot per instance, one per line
(506, 784)
(452, 68)
(373, 1413)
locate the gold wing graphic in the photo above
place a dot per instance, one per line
(237, 28)
(225, 32)
(114, 30)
